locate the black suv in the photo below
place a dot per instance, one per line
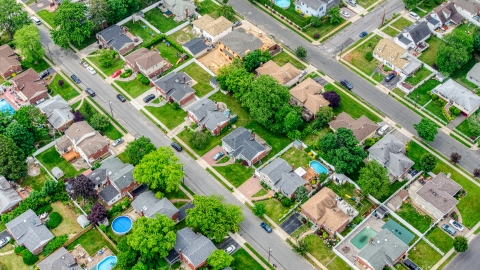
(389, 77)
(148, 98)
(176, 146)
(346, 84)
(44, 74)
(410, 265)
(75, 79)
(90, 92)
(121, 98)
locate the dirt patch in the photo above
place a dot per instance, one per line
(214, 60)
(33, 171)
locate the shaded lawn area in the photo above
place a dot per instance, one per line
(469, 205)
(391, 189)
(298, 157)
(419, 221)
(92, 241)
(429, 55)
(134, 87)
(464, 128)
(86, 42)
(440, 239)
(178, 194)
(243, 260)
(282, 58)
(15, 262)
(207, 7)
(170, 53)
(276, 141)
(350, 106)
(66, 90)
(401, 23)
(424, 255)
(274, 209)
(159, 21)
(419, 76)
(214, 140)
(202, 87)
(338, 263)
(137, 29)
(422, 92)
(47, 16)
(113, 236)
(39, 66)
(324, 29)
(35, 182)
(111, 132)
(436, 110)
(427, 6)
(50, 158)
(357, 56)
(460, 75)
(317, 248)
(69, 225)
(390, 31)
(235, 173)
(243, 117)
(419, 12)
(116, 64)
(168, 115)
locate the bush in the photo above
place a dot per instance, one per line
(103, 228)
(143, 79)
(434, 97)
(28, 257)
(54, 221)
(126, 74)
(369, 56)
(369, 142)
(54, 244)
(286, 202)
(199, 140)
(316, 36)
(96, 165)
(19, 249)
(118, 208)
(456, 111)
(44, 209)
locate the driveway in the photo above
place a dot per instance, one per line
(208, 157)
(291, 224)
(250, 187)
(121, 147)
(39, 5)
(228, 242)
(391, 84)
(5, 234)
(447, 221)
(182, 212)
(351, 12)
(321, 81)
(140, 101)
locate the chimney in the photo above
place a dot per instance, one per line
(180, 253)
(184, 79)
(293, 167)
(371, 240)
(186, 12)
(261, 64)
(253, 135)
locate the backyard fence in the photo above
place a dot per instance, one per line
(274, 157)
(108, 239)
(76, 236)
(422, 108)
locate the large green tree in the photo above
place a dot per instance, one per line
(235, 79)
(5, 120)
(428, 162)
(98, 11)
(253, 59)
(99, 122)
(73, 25)
(219, 259)
(411, 4)
(334, 15)
(324, 116)
(137, 149)
(426, 129)
(161, 170)
(12, 17)
(119, 9)
(213, 217)
(31, 118)
(12, 159)
(27, 40)
(455, 52)
(21, 136)
(460, 243)
(374, 179)
(226, 11)
(476, 39)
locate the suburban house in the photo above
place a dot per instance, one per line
(384, 249)
(436, 197)
(206, 114)
(390, 152)
(196, 47)
(281, 177)
(396, 58)
(175, 87)
(29, 231)
(326, 210)
(444, 13)
(81, 138)
(119, 178)
(473, 74)
(308, 95)
(241, 144)
(9, 198)
(117, 38)
(396, 202)
(286, 75)
(468, 9)
(146, 204)
(182, 9)
(238, 43)
(97, 176)
(212, 29)
(362, 128)
(413, 35)
(59, 260)
(457, 95)
(192, 248)
(9, 63)
(147, 62)
(316, 8)
(58, 112)
(29, 87)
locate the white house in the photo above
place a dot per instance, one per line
(212, 29)
(316, 8)
(459, 96)
(445, 13)
(474, 74)
(468, 9)
(413, 35)
(396, 57)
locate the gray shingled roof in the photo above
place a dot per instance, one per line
(283, 177)
(389, 152)
(385, 248)
(403, 39)
(28, 230)
(59, 260)
(314, 4)
(474, 73)
(418, 31)
(175, 85)
(439, 192)
(8, 196)
(459, 94)
(57, 110)
(471, 6)
(241, 42)
(195, 247)
(98, 176)
(207, 113)
(432, 20)
(242, 142)
(118, 172)
(108, 193)
(150, 205)
(195, 45)
(115, 36)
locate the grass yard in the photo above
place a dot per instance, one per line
(296, 157)
(429, 55)
(243, 260)
(183, 35)
(324, 29)
(317, 248)
(207, 7)
(92, 241)
(159, 21)
(357, 56)
(274, 209)
(378, 77)
(422, 92)
(179, 194)
(124, 158)
(419, 12)
(424, 255)
(113, 236)
(401, 23)
(427, 6)
(243, 117)
(338, 263)
(69, 225)
(235, 173)
(283, 58)
(116, 65)
(141, 30)
(15, 262)
(464, 128)
(277, 141)
(47, 16)
(260, 193)
(391, 189)
(214, 141)
(170, 53)
(66, 90)
(50, 158)
(35, 182)
(202, 87)
(440, 239)
(88, 111)
(134, 87)
(39, 66)
(390, 31)
(168, 115)
(436, 110)
(366, 3)
(419, 76)
(460, 75)
(419, 221)
(86, 42)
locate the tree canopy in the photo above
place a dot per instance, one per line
(334, 15)
(135, 150)
(199, 139)
(428, 162)
(73, 25)
(99, 122)
(31, 118)
(426, 129)
(97, 214)
(219, 259)
(21, 136)
(12, 17)
(119, 9)
(12, 159)
(460, 243)
(98, 11)
(27, 40)
(253, 59)
(301, 52)
(374, 179)
(324, 116)
(235, 79)
(332, 97)
(455, 52)
(411, 4)
(83, 187)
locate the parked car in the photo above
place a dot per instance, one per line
(44, 74)
(91, 70)
(381, 131)
(230, 249)
(352, 3)
(449, 229)
(176, 146)
(121, 98)
(148, 98)
(389, 77)
(362, 34)
(90, 92)
(116, 73)
(345, 14)
(75, 79)
(346, 84)
(266, 227)
(35, 20)
(218, 155)
(4, 241)
(117, 142)
(414, 15)
(456, 225)
(411, 265)
(237, 23)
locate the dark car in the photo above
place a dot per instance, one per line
(176, 146)
(346, 84)
(266, 227)
(362, 34)
(121, 98)
(44, 74)
(90, 92)
(410, 265)
(148, 98)
(389, 77)
(75, 79)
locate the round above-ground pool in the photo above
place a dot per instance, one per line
(107, 263)
(121, 225)
(318, 167)
(283, 3)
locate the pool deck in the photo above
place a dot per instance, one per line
(12, 98)
(90, 261)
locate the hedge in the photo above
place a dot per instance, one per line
(19, 249)
(55, 243)
(28, 257)
(44, 209)
(118, 208)
(54, 221)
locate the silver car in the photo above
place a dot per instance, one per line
(4, 241)
(230, 249)
(456, 225)
(117, 142)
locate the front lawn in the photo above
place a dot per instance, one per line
(317, 248)
(296, 157)
(440, 239)
(357, 56)
(277, 141)
(178, 194)
(116, 64)
(168, 115)
(243, 260)
(214, 141)
(207, 7)
(243, 117)
(424, 255)
(390, 31)
(50, 158)
(419, 76)
(464, 128)
(282, 58)
(159, 21)
(47, 16)
(35, 182)
(436, 110)
(202, 87)
(422, 92)
(134, 87)
(141, 30)
(378, 77)
(66, 91)
(338, 263)
(170, 53)
(429, 55)
(235, 173)
(38, 66)
(419, 221)
(69, 225)
(401, 23)
(88, 111)
(274, 209)
(324, 29)
(92, 241)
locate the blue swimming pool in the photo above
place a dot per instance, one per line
(107, 263)
(122, 225)
(5, 106)
(283, 3)
(318, 167)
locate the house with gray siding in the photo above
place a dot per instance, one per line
(58, 112)
(59, 260)
(119, 180)
(241, 144)
(146, 204)
(193, 248)
(281, 177)
(390, 153)
(9, 198)
(413, 35)
(457, 95)
(473, 74)
(175, 87)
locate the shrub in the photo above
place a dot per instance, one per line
(434, 97)
(56, 242)
(44, 209)
(126, 74)
(60, 83)
(54, 221)
(118, 208)
(316, 36)
(369, 142)
(286, 202)
(28, 257)
(369, 56)
(96, 165)
(103, 228)
(456, 111)
(19, 249)
(175, 106)
(143, 79)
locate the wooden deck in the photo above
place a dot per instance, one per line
(90, 261)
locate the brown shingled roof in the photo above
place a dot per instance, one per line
(283, 74)
(30, 83)
(149, 59)
(388, 50)
(361, 128)
(88, 140)
(8, 58)
(309, 93)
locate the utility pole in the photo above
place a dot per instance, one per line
(269, 251)
(111, 110)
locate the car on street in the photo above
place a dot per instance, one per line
(266, 227)
(35, 20)
(176, 146)
(44, 74)
(4, 241)
(456, 225)
(346, 84)
(116, 73)
(117, 142)
(148, 98)
(345, 14)
(90, 92)
(410, 265)
(91, 70)
(218, 155)
(362, 34)
(449, 229)
(121, 98)
(352, 3)
(237, 23)
(75, 79)
(390, 77)
(230, 249)
(414, 15)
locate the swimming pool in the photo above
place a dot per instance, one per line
(283, 3)
(107, 263)
(318, 167)
(5, 106)
(361, 239)
(121, 225)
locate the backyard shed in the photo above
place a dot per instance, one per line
(57, 173)
(83, 221)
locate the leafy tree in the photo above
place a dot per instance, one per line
(27, 40)
(301, 247)
(374, 179)
(301, 52)
(98, 11)
(73, 26)
(460, 243)
(152, 237)
(226, 11)
(455, 158)
(5, 120)
(235, 79)
(78, 117)
(21, 136)
(333, 98)
(411, 4)
(292, 121)
(428, 162)
(476, 39)
(139, 266)
(455, 52)
(12, 159)
(137, 149)
(474, 124)
(219, 259)
(426, 129)
(106, 58)
(82, 186)
(61, 83)
(12, 17)
(213, 217)
(99, 122)
(334, 15)
(127, 257)
(301, 193)
(98, 213)
(259, 209)
(315, 21)
(160, 170)
(294, 134)
(199, 139)
(324, 116)
(253, 59)
(31, 118)
(118, 10)
(476, 173)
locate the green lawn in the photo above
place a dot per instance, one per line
(282, 58)
(92, 241)
(134, 87)
(365, 3)
(296, 157)
(260, 193)
(202, 87)
(112, 235)
(178, 194)
(207, 7)
(419, 221)
(425, 256)
(419, 76)
(50, 158)
(15, 262)
(168, 115)
(86, 42)
(159, 21)
(274, 209)
(116, 65)
(391, 189)
(436, 110)
(66, 90)
(429, 55)
(338, 263)
(401, 23)
(183, 35)
(440, 239)
(35, 182)
(422, 92)
(243, 117)
(47, 16)
(357, 56)
(214, 140)
(324, 29)
(378, 77)
(317, 248)
(169, 53)
(390, 31)
(464, 128)
(419, 12)
(277, 141)
(243, 260)
(39, 66)
(124, 158)
(460, 75)
(427, 6)
(137, 29)
(235, 173)
(88, 111)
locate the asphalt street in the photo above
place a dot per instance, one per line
(467, 259)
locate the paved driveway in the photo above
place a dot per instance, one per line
(291, 224)
(228, 242)
(182, 212)
(41, 4)
(391, 84)
(140, 101)
(321, 81)
(5, 234)
(351, 12)
(250, 187)
(208, 157)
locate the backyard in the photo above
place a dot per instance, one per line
(169, 115)
(197, 73)
(421, 94)
(183, 35)
(87, 110)
(419, 221)
(15, 262)
(440, 239)
(141, 30)
(430, 54)
(38, 66)
(69, 225)
(66, 91)
(282, 58)
(235, 173)
(276, 141)
(116, 64)
(317, 248)
(133, 87)
(419, 76)
(243, 260)
(170, 53)
(357, 57)
(424, 255)
(35, 182)
(50, 158)
(243, 117)
(160, 21)
(460, 75)
(92, 241)
(296, 157)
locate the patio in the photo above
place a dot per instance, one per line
(86, 260)
(12, 98)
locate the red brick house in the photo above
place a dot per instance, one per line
(117, 38)
(149, 63)
(175, 87)
(193, 249)
(29, 87)
(9, 63)
(207, 115)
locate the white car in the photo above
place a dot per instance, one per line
(4, 241)
(456, 225)
(117, 142)
(414, 15)
(345, 14)
(230, 249)
(91, 70)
